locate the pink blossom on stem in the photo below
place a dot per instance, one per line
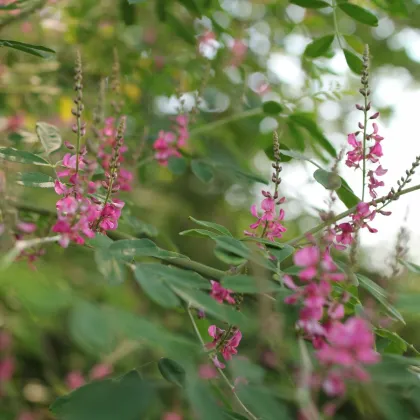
(219, 293)
(75, 380)
(172, 416)
(100, 371)
(7, 368)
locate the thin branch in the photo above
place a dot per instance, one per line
(347, 213)
(222, 374)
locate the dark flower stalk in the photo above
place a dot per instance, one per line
(365, 91)
(80, 127)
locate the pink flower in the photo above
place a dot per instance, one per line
(334, 385)
(100, 371)
(239, 50)
(219, 293)
(309, 258)
(75, 380)
(230, 347)
(26, 227)
(207, 372)
(172, 416)
(345, 237)
(7, 368)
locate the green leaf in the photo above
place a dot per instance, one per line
(112, 268)
(175, 276)
(177, 165)
(329, 180)
(414, 268)
(280, 251)
(172, 371)
(202, 170)
(134, 248)
(35, 179)
(138, 226)
(21, 156)
(201, 233)
(305, 121)
(211, 225)
(381, 296)
(359, 13)
(355, 42)
(397, 344)
(125, 398)
(37, 50)
(298, 137)
(192, 6)
(200, 300)
(353, 61)
(136, 1)
(155, 287)
(235, 252)
(272, 107)
(247, 284)
(181, 29)
(346, 194)
(49, 136)
(319, 46)
(311, 4)
(91, 329)
(231, 415)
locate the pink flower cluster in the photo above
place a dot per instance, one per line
(220, 294)
(348, 347)
(79, 213)
(226, 345)
(371, 154)
(7, 362)
(268, 220)
(75, 379)
(343, 347)
(168, 143)
(105, 153)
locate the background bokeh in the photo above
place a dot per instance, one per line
(162, 69)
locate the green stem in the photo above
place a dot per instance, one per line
(364, 147)
(347, 213)
(79, 128)
(231, 118)
(222, 374)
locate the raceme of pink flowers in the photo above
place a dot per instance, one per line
(106, 147)
(226, 346)
(220, 294)
(268, 219)
(168, 143)
(343, 347)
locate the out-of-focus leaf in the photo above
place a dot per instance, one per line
(183, 31)
(35, 179)
(346, 194)
(202, 170)
(177, 165)
(381, 296)
(272, 107)
(192, 6)
(359, 13)
(211, 225)
(355, 42)
(297, 136)
(397, 344)
(172, 371)
(111, 267)
(319, 46)
(414, 268)
(329, 180)
(37, 50)
(21, 156)
(242, 283)
(128, 12)
(90, 329)
(125, 398)
(353, 61)
(201, 233)
(311, 4)
(49, 136)
(305, 121)
(155, 287)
